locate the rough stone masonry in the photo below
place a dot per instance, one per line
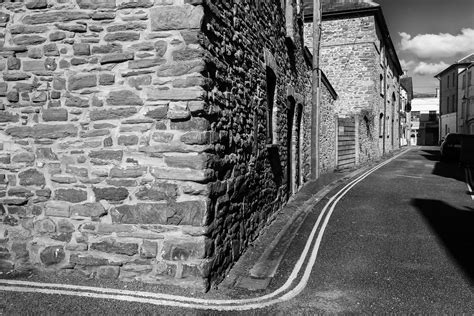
(132, 134)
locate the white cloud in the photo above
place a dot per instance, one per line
(440, 45)
(407, 64)
(424, 69)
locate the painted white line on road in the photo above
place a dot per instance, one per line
(197, 303)
(469, 180)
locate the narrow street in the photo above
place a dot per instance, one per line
(399, 241)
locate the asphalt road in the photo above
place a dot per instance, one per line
(401, 241)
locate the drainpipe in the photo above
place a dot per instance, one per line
(315, 89)
(384, 134)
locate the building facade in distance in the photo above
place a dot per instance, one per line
(359, 59)
(425, 120)
(466, 100)
(450, 101)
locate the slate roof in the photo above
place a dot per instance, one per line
(467, 59)
(463, 62)
(340, 5)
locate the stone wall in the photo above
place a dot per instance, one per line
(354, 59)
(135, 139)
(246, 40)
(105, 142)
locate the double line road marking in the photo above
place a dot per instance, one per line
(293, 286)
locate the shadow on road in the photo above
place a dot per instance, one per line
(447, 169)
(454, 227)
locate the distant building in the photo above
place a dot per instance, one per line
(406, 96)
(425, 120)
(466, 100)
(359, 59)
(450, 100)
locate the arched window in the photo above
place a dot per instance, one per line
(381, 125)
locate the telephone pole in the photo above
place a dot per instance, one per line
(316, 83)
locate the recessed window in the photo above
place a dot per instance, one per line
(271, 95)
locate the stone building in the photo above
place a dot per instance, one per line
(358, 56)
(406, 96)
(465, 100)
(425, 119)
(151, 140)
(449, 98)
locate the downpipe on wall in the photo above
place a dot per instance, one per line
(316, 93)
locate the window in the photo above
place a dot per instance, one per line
(463, 80)
(271, 89)
(381, 125)
(447, 104)
(447, 82)
(432, 115)
(381, 85)
(469, 78)
(289, 14)
(454, 78)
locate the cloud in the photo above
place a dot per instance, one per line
(439, 46)
(424, 69)
(407, 64)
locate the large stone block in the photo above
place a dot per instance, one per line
(54, 114)
(70, 195)
(174, 94)
(56, 16)
(198, 162)
(158, 192)
(201, 176)
(112, 114)
(6, 117)
(81, 81)
(107, 154)
(75, 28)
(180, 249)
(160, 113)
(31, 177)
(166, 18)
(110, 194)
(96, 4)
(107, 272)
(52, 255)
(29, 40)
(36, 4)
(33, 65)
(122, 37)
(43, 131)
(128, 172)
(89, 260)
(124, 97)
(146, 63)
(149, 249)
(112, 246)
(88, 210)
(176, 213)
(116, 58)
(181, 68)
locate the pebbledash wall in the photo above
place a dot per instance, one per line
(149, 140)
(354, 55)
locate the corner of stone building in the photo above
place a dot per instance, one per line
(106, 145)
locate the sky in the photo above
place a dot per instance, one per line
(429, 35)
